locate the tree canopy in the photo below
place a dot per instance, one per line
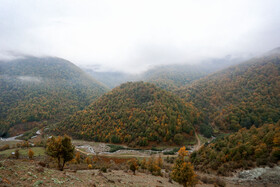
(133, 113)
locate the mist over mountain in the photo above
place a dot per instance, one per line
(48, 88)
(140, 93)
(240, 96)
(169, 77)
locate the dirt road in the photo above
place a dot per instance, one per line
(198, 145)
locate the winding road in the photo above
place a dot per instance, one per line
(198, 145)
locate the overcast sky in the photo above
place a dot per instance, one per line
(133, 35)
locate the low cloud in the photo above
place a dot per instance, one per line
(134, 35)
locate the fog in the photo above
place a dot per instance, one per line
(132, 36)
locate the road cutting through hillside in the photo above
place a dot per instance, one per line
(198, 145)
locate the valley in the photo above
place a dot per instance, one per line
(224, 126)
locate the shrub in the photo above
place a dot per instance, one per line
(17, 154)
(183, 171)
(103, 169)
(4, 147)
(78, 157)
(30, 153)
(133, 165)
(178, 139)
(144, 164)
(88, 160)
(114, 148)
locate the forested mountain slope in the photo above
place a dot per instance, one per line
(244, 149)
(33, 89)
(168, 77)
(134, 113)
(240, 96)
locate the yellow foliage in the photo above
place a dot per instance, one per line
(30, 153)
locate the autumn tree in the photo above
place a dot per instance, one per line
(88, 160)
(144, 164)
(183, 171)
(30, 154)
(17, 153)
(155, 165)
(60, 149)
(133, 165)
(78, 157)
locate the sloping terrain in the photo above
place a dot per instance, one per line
(240, 96)
(244, 149)
(34, 89)
(136, 114)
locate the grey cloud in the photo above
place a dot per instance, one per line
(131, 36)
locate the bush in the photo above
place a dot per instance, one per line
(17, 154)
(133, 165)
(4, 147)
(172, 152)
(30, 153)
(206, 130)
(114, 148)
(178, 139)
(103, 169)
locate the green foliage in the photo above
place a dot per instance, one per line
(172, 152)
(206, 130)
(240, 96)
(133, 165)
(17, 153)
(178, 139)
(172, 77)
(183, 171)
(154, 165)
(60, 149)
(133, 113)
(114, 148)
(35, 89)
(242, 149)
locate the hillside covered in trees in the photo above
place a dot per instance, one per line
(35, 89)
(244, 149)
(173, 77)
(168, 77)
(136, 114)
(240, 96)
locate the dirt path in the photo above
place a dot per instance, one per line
(86, 153)
(198, 145)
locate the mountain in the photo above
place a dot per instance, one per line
(173, 77)
(244, 149)
(112, 79)
(240, 96)
(168, 77)
(47, 88)
(136, 114)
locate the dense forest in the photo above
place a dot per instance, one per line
(244, 149)
(34, 89)
(136, 114)
(240, 96)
